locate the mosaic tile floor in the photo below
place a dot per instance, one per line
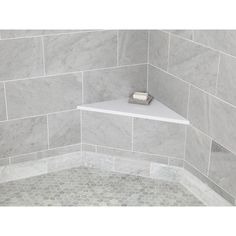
(91, 187)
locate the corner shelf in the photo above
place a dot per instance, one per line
(154, 111)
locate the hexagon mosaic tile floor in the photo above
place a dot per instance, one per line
(91, 187)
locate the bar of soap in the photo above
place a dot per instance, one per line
(140, 96)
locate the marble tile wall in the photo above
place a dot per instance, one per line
(198, 81)
(45, 74)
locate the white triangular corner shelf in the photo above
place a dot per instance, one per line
(154, 111)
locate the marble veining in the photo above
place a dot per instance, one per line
(101, 85)
(2, 103)
(64, 128)
(23, 136)
(44, 95)
(224, 40)
(161, 138)
(132, 46)
(68, 53)
(106, 130)
(226, 88)
(193, 63)
(158, 48)
(168, 90)
(188, 34)
(198, 150)
(21, 58)
(223, 168)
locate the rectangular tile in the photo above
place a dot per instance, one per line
(158, 48)
(223, 123)
(110, 84)
(132, 155)
(21, 58)
(67, 53)
(199, 107)
(64, 128)
(188, 34)
(170, 91)
(210, 183)
(106, 130)
(223, 168)
(161, 138)
(2, 103)
(224, 40)
(132, 46)
(193, 63)
(198, 148)
(132, 167)
(176, 162)
(226, 88)
(6, 34)
(23, 136)
(44, 95)
(46, 153)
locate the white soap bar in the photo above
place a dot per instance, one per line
(140, 96)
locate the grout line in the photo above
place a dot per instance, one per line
(117, 49)
(217, 78)
(214, 140)
(188, 103)
(33, 116)
(44, 150)
(209, 159)
(82, 85)
(200, 44)
(56, 34)
(132, 134)
(185, 142)
(193, 35)
(5, 96)
(212, 95)
(75, 72)
(81, 127)
(48, 132)
(148, 46)
(168, 56)
(147, 84)
(208, 179)
(44, 66)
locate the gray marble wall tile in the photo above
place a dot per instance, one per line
(132, 46)
(158, 48)
(224, 40)
(210, 183)
(21, 58)
(5, 34)
(132, 155)
(4, 161)
(108, 84)
(2, 103)
(223, 168)
(64, 128)
(23, 136)
(194, 63)
(223, 123)
(169, 90)
(88, 147)
(199, 107)
(188, 34)
(198, 148)
(226, 88)
(45, 154)
(43, 95)
(160, 138)
(176, 162)
(132, 167)
(74, 52)
(106, 130)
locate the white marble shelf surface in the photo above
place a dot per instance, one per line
(153, 111)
